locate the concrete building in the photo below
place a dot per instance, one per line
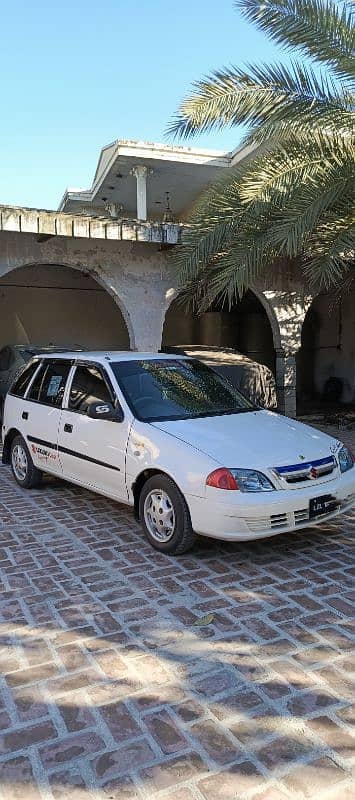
(96, 273)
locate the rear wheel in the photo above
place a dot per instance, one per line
(23, 468)
(165, 516)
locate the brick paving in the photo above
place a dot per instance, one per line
(109, 689)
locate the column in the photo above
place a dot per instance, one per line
(141, 172)
(290, 308)
(286, 383)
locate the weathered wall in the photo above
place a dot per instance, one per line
(134, 274)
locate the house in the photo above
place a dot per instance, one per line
(97, 273)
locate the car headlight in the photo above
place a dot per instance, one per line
(246, 480)
(346, 459)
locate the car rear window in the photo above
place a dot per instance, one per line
(23, 381)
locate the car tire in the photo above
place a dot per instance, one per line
(23, 468)
(165, 517)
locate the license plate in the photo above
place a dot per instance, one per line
(322, 505)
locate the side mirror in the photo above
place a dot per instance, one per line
(105, 411)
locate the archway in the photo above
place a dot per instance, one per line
(43, 304)
(245, 327)
(326, 359)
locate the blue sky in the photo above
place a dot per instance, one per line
(78, 74)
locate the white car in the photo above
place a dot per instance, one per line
(170, 437)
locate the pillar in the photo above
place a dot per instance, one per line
(286, 383)
(141, 173)
(144, 302)
(289, 310)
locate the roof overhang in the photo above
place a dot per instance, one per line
(184, 172)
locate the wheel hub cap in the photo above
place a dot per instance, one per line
(19, 462)
(159, 515)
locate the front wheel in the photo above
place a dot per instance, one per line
(23, 468)
(165, 516)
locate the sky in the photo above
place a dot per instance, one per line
(78, 74)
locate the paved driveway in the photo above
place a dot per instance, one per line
(110, 689)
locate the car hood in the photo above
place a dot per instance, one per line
(255, 438)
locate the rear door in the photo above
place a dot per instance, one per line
(40, 413)
(93, 451)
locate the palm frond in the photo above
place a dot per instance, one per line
(322, 29)
(273, 204)
(293, 196)
(281, 169)
(331, 250)
(263, 94)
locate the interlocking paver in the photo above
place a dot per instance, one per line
(309, 780)
(109, 690)
(232, 783)
(127, 758)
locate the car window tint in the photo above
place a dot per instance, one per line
(88, 386)
(23, 381)
(49, 385)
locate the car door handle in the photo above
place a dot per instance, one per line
(68, 428)
(25, 415)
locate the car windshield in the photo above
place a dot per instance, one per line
(158, 389)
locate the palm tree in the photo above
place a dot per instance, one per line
(293, 196)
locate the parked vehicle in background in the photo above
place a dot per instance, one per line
(13, 358)
(171, 437)
(254, 380)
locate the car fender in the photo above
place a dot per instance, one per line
(149, 448)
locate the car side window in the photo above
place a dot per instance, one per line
(21, 383)
(49, 384)
(88, 386)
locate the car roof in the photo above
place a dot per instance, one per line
(104, 356)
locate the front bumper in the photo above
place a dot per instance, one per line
(260, 515)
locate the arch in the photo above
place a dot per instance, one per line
(325, 361)
(219, 326)
(270, 315)
(55, 267)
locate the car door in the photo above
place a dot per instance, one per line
(93, 451)
(41, 411)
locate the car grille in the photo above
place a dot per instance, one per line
(349, 500)
(275, 521)
(301, 516)
(310, 470)
(279, 521)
